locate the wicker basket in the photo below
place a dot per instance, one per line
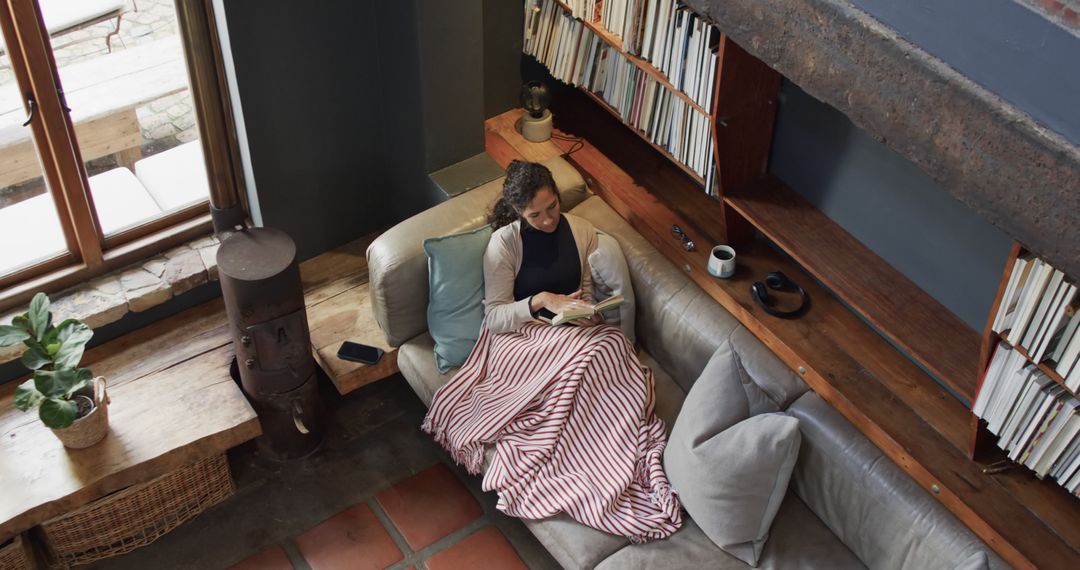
(137, 515)
(14, 556)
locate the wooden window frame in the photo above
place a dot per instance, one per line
(90, 253)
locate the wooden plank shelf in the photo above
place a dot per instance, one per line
(1043, 366)
(916, 322)
(914, 420)
(338, 303)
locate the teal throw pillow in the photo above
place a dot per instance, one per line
(455, 306)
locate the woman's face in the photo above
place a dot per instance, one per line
(543, 211)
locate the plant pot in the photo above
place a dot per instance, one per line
(92, 427)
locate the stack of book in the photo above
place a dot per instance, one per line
(1036, 419)
(1038, 315)
(658, 37)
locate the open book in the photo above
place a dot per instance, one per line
(569, 315)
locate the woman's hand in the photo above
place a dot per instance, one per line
(558, 303)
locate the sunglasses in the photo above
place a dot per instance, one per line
(687, 243)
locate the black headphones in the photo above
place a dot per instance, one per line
(780, 282)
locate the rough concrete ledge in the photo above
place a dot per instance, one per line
(135, 288)
(1020, 176)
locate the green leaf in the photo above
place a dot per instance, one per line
(39, 315)
(57, 413)
(52, 348)
(83, 374)
(56, 382)
(10, 335)
(27, 396)
(78, 385)
(34, 358)
(22, 321)
(73, 338)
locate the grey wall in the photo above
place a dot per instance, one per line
(888, 204)
(1003, 45)
(348, 105)
(503, 22)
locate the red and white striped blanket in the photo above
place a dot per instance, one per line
(570, 413)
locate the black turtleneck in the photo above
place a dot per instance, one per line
(549, 261)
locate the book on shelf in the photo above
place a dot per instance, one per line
(1054, 321)
(1017, 279)
(1035, 417)
(1046, 297)
(584, 312)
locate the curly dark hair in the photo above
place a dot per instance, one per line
(523, 181)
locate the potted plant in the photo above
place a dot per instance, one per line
(69, 399)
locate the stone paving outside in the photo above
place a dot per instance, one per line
(165, 123)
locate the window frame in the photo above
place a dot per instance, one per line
(89, 252)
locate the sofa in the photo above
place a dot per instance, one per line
(847, 505)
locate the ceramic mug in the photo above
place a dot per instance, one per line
(722, 261)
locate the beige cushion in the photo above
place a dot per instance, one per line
(611, 277)
(175, 178)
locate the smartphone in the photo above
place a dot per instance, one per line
(357, 352)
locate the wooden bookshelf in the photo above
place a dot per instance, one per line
(729, 102)
(644, 65)
(913, 320)
(685, 168)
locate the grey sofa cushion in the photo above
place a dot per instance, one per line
(871, 504)
(397, 265)
(574, 545)
(799, 541)
(677, 322)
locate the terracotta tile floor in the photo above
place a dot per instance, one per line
(431, 512)
(379, 493)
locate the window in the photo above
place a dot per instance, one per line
(101, 156)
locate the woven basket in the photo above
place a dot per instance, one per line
(137, 515)
(13, 556)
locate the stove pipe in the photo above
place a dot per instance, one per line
(264, 298)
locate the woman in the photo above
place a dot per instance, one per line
(568, 409)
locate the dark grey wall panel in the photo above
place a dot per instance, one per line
(888, 204)
(311, 111)
(1004, 46)
(503, 22)
(451, 38)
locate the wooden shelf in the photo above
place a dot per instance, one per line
(1046, 369)
(913, 320)
(685, 168)
(616, 42)
(899, 407)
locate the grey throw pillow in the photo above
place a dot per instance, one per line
(611, 276)
(731, 472)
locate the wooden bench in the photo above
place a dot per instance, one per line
(172, 403)
(339, 309)
(103, 94)
(65, 16)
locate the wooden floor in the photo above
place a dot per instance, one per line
(917, 422)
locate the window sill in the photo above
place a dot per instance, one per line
(134, 288)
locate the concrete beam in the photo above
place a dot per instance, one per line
(1020, 176)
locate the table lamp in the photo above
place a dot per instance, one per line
(536, 121)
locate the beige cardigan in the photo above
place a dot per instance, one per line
(502, 261)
